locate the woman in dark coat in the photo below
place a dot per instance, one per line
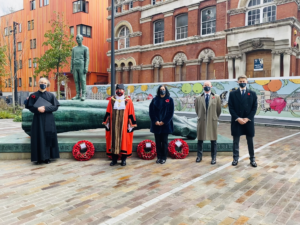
(161, 111)
(44, 144)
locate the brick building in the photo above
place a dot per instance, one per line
(179, 40)
(88, 18)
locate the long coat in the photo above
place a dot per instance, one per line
(118, 137)
(208, 121)
(161, 111)
(242, 107)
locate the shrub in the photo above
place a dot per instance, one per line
(6, 115)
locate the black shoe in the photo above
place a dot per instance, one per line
(38, 163)
(213, 161)
(162, 161)
(47, 161)
(113, 163)
(235, 162)
(123, 163)
(158, 161)
(253, 164)
(199, 159)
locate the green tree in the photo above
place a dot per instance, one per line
(60, 45)
(2, 61)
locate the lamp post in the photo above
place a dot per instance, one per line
(112, 66)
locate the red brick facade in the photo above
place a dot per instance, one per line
(220, 55)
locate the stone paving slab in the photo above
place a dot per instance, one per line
(92, 192)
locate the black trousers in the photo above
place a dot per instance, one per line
(213, 149)
(236, 152)
(115, 157)
(161, 141)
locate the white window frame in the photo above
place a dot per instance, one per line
(20, 27)
(153, 2)
(6, 31)
(46, 2)
(19, 46)
(186, 26)
(41, 3)
(29, 63)
(204, 35)
(125, 37)
(72, 30)
(154, 32)
(130, 5)
(261, 7)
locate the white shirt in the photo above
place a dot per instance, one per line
(205, 94)
(243, 89)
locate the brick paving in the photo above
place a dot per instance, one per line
(92, 192)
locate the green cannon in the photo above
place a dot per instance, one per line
(78, 115)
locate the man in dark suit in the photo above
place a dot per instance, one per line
(242, 107)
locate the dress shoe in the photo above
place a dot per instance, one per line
(213, 161)
(47, 161)
(253, 164)
(113, 163)
(123, 163)
(199, 159)
(158, 161)
(38, 163)
(162, 161)
(234, 163)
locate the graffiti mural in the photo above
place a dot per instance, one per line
(276, 97)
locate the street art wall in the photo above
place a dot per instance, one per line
(277, 98)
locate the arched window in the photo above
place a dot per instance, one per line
(181, 27)
(208, 21)
(260, 11)
(159, 29)
(124, 38)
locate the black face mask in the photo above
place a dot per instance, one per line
(119, 93)
(43, 86)
(207, 89)
(242, 85)
(162, 92)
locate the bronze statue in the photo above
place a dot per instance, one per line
(79, 67)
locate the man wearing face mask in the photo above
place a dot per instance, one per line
(44, 144)
(119, 123)
(208, 110)
(242, 107)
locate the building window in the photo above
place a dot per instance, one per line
(30, 81)
(34, 82)
(130, 5)
(6, 83)
(181, 27)
(123, 38)
(20, 27)
(72, 31)
(9, 82)
(41, 3)
(20, 64)
(208, 21)
(34, 63)
(6, 31)
(32, 24)
(159, 32)
(32, 5)
(84, 30)
(46, 2)
(260, 11)
(153, 2)
(19, 46)
(29, 63)
(20, 82)
(80, 6)
(33, 44)
(29, 25)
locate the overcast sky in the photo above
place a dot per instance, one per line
(6, 4)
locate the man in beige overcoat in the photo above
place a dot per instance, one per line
(208, 110)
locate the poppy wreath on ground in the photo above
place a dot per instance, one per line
(146, 153)
(83, 156)
(184, 149)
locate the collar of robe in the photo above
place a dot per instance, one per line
(119, 102)
(42, 90)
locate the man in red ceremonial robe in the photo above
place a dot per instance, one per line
(119, 123)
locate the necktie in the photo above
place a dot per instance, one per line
(243, 93)
(207, 100)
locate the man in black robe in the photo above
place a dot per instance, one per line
(44, 144)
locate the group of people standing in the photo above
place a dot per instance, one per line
(120, 121)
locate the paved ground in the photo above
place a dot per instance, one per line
(179, 192)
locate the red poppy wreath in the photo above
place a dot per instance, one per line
(146, 153)
(82, 145)
(184, 149)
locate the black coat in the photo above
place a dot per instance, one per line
(161, 110)
(40, 150)
(242, 107)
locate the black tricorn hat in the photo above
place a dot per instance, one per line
(120, 86)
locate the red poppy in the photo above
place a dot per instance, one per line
(277, 104)
(213, 97)
(248, 93)
(149, 97)
(32, 96)
(167, 100)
